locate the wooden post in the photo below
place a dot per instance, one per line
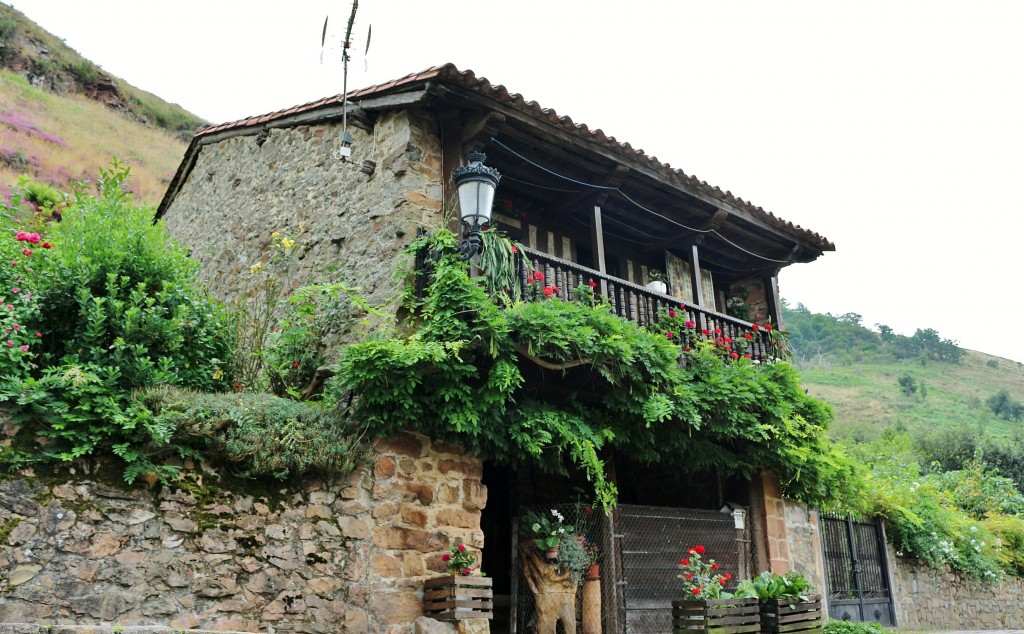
(597, 244)
(694, 261)
(451, 158)
(771, 297)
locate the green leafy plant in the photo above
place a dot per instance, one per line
(262, 434)
(548, 529)
(701, 579)
(770, 585)
(117, 308)
(836, 626)
(573, 558)
(459, 561)
(455, 372)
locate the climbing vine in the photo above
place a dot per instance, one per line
(473, 367)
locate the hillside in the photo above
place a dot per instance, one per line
(62, 117)
(859, 374)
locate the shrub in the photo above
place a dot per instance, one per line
(118, 309)
(835, 626)
(264, 434)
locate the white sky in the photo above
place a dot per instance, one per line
(896, 129)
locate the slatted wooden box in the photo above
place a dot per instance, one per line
(454, 597)
(716, 616)
(782, 616)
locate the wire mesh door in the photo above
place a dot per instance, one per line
(649, 542)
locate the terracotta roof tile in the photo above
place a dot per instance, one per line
(469, 80)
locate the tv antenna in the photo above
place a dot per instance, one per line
(346, 138)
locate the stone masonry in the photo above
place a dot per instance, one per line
(342, 219)
(321, 556)
(927, 598)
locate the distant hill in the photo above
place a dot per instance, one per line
(878, 381)
(62, 117)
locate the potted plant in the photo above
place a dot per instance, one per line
(546, 531)
(464, 593)
(657, 281)
(706, 606)
(786, 602)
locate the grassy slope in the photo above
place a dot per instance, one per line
(34, 124)
(867, 399)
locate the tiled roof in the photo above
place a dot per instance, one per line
(448, 73)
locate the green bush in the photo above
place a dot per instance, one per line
(117, 309)
(84, 70)
(264, 434)
(835, 626)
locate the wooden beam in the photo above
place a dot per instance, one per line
(451, 158)
(771, 297)
(597, 245)
(696, 287)
(396, 101)
(477, 132)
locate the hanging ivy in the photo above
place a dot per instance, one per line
(555, 382)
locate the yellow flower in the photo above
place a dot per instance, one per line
(287, 243)
(275, 235)
(255, 268)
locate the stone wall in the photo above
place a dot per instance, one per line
(791, 535)
(320, 556)
(932, 599)
(244, 188)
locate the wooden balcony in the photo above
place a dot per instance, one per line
(629, 301)
(636, 303)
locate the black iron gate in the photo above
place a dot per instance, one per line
(857, 569)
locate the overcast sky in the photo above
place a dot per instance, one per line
(896, 129)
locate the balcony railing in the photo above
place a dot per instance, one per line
(636, 303)
(629, 301)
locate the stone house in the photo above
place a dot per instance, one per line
(355, 177)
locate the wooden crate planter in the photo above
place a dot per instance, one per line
(716, 616)
(455, 597)
(781, 616)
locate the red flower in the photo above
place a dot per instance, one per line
(718, 331)
(748, 336)
(530, 280)
(592, 284)
(695, 591)
(704, 331)
(684, 561)
(514, 249)
(755, 327)
(746, 355)
(728, 340)
(723, 580)
(295, 365)
(549, 291)
(27, 252)
(728, 575)
(768, 327)
(698, 549)
(539, 276)
(688, 576)
(445, 557)
(714, 566)
(467, 572)
(671, 313)
(733, 355)
(669, 334)
(686, 349)
(462, 548)
(47, 245)
(690, 324)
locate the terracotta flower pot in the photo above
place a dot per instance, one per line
(594, 571)
(551, 553)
